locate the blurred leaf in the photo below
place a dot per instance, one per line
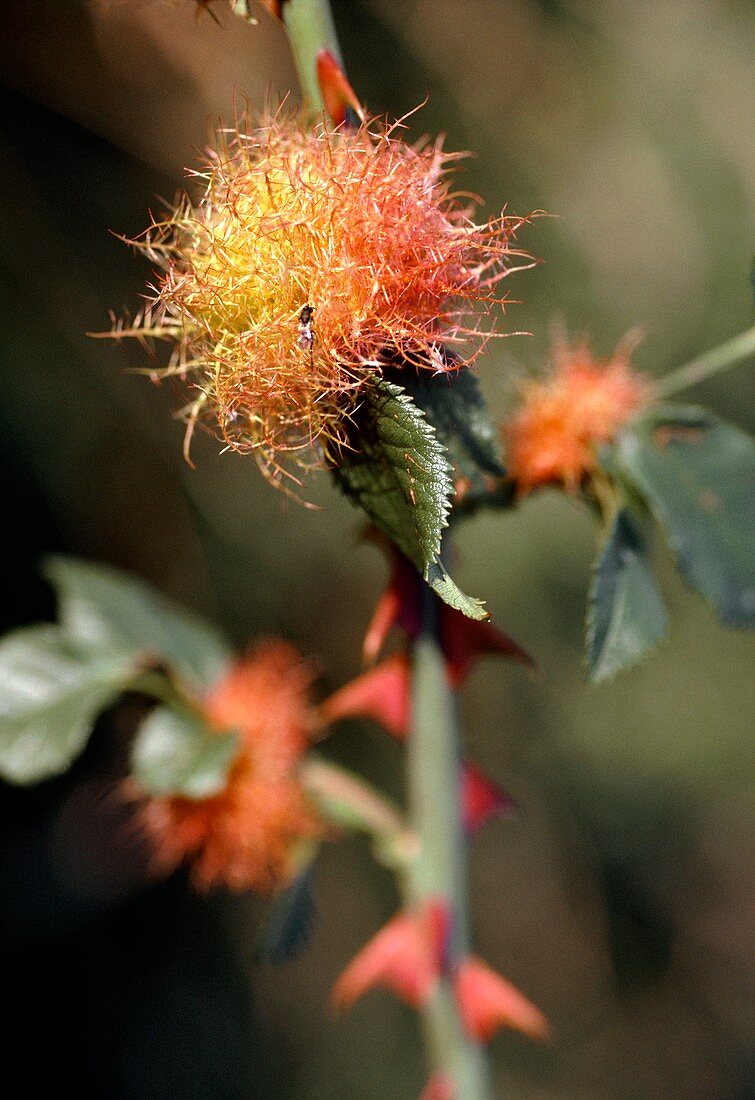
(698, 477)
(626, 616)
(345, 799)
(399, 474)
(101, 606)
(175, 752)
(455, 407)
(291, 918)
(50, 696)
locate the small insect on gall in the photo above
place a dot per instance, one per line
(306, 331)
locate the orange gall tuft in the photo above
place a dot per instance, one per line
(245, 836)
(553, 438)
(311, 261)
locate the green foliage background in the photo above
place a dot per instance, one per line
(617, 901)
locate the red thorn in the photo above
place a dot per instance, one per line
(488, 1002)
(465, 640)
(481, 798)
(402, 957)
(337, 94)
(204, 5)
(437, 918)
(439, 1087)
(383, 694)
(398, 606)
(273, 6)
(384, 618)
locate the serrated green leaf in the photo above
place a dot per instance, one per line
(454, 405)
(51, 693)
(697, 474)
(103, 607)
(177, 753)
(626, 617)
(442, 584)
(399, 474)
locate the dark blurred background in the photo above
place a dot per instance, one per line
(621, 899)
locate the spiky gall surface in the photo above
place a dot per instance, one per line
(311, 260)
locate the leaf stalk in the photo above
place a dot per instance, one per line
(707, 365)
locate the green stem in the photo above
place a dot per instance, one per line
(707, 365)
(438, 871)
(311, 29)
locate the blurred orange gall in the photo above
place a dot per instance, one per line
(313, 260)
(245, 836)
(553, 436)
